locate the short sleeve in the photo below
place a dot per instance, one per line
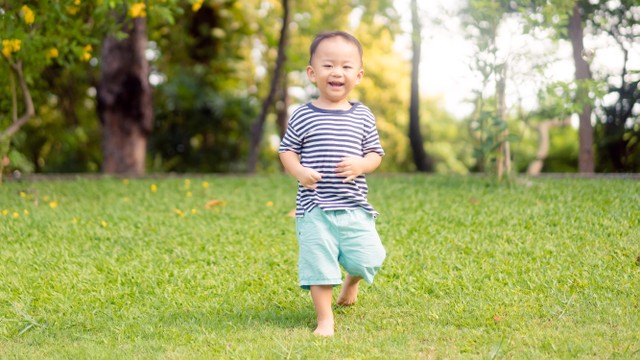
(291, 141)
(371, 142)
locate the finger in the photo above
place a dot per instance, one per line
(349, 179)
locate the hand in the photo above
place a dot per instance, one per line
(351, 168)
(308, 178)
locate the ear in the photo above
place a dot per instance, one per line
(359, 76)
(311, 74)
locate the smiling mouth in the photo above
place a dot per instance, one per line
(335, 84)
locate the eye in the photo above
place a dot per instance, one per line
(327, 66)
(347, 67)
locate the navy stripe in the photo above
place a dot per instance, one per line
(323, 138)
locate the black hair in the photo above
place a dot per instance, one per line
(331, 34)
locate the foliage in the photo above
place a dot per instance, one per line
(488, 131)
(563, 152)
(54, 42)
(205, 267)
(209, 89)
(221, 53)
(224, 49)
(65, 136)
(446, 140)
(199, 129)
(618, 126)
(41, 35)
(386, 93)
(615, 132)
(487, 124)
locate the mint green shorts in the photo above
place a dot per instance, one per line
(328, 240)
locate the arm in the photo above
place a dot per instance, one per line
(352, 167)
(306, 176)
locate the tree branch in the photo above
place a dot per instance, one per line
(30, 112)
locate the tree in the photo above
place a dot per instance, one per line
(618, 126)
(17, 75)
(582, 74)
(35, 37)
(276, 82)
(572, 19)
(49, 38)
(422, 161)
(488, 123)
(124, 97)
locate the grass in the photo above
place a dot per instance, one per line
(106, 269)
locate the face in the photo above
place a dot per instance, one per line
(335, 69)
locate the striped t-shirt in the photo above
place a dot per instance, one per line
(322, 138)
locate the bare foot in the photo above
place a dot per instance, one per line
(325, 328)
(349, 293)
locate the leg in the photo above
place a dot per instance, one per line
(349, 293)
(321, 296)
(362, 255)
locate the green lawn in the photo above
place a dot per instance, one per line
(105, 269)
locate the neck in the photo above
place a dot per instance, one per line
(329, 105)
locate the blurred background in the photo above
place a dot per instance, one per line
(458, 87)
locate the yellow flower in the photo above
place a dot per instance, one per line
(196, 5)
(103, 223)
(154, 188)
(52, 53)
(194, 211)
(5, 212)
(189, 194)
(53, 204)
(10, 46)
(76, 2)
(138, 10)
(125, 181)
(72, 10)
(23, 194)
(86, 54)
(179, 212)
(28, 15)
(15, 215)
(269, 203)
(205, 184)
(187, 183)
(25, 211)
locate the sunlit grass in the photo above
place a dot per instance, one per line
(205, 267)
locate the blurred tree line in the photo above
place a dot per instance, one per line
(211, 65)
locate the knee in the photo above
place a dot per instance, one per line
(366, 267)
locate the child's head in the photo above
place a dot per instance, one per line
(335, 66)
(329, 35)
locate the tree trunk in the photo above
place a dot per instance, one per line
(258, 126)
(282, 106)
(585, 157)
(420, 157)
(503, 159)
(124, 101)
(535, 168)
